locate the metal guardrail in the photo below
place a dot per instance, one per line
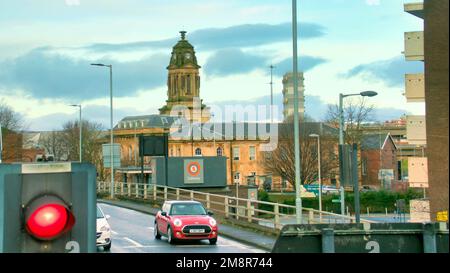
(268, 214)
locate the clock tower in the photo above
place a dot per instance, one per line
(183, 84)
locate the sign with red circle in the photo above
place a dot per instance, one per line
(193, 171)
(193, 168)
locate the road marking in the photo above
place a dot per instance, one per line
(113, 232)
(136, 244)
(152, 228)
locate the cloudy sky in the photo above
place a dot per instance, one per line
(46, 47)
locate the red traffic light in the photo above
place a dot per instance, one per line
(47, 219)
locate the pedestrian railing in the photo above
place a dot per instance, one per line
(268, 214)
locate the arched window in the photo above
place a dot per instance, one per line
(198, 152)
(130, 153)
(219, 151)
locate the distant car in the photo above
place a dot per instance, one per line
(185, 220)
(367, 188)
(103, 230)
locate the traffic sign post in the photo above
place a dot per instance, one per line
(48, 207)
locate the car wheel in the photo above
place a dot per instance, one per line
(156, 232)
(107, 247)
(213, 241)
(170, 238)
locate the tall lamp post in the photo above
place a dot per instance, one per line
(341, 143)
(319, 172)
(298, 198)
(111, 125)
(80, 131)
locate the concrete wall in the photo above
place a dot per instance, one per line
(436, 96)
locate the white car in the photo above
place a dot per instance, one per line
(103, 230)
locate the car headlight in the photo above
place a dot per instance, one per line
(177, 223)
(212, 222)
(104, 228)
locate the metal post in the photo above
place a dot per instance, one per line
(227, 208)
(356, 183)
(276, 209)
(249, 212)
(112, 132)
(341, 143)
(81, 136)
(298, 199)
(271, 92)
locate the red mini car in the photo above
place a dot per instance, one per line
(185, 220)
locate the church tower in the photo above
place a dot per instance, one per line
(183, 83)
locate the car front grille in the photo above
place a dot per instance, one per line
(187, 229)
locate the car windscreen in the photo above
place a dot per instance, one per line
(99, 213)
(187, 209)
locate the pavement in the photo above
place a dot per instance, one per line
(242, 235)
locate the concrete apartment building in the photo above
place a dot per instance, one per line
(431, 46)
(288, 96)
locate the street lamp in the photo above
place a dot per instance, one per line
(319, 172)
(80, 130)
(111, 125)
(341, 143)
(298, 198)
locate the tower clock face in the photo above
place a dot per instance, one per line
(187, 56)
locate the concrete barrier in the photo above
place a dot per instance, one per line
(364, 238)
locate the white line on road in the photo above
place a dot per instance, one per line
(152, 228)
(113, 232)
(136, 244)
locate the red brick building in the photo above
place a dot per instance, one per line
(379, 165)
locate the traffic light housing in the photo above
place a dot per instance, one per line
(48, 207)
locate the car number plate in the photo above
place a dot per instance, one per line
(197, 231)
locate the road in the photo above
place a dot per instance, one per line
(132, 232)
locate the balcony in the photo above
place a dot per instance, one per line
(416, 131)
(415, 87)
(415, 9)
(414, 46)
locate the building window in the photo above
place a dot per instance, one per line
(235, 153)
(130, 153)
(219, 151)
(252, 153)
(364, 166)
(198, 152)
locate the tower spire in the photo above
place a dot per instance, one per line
(183, 34)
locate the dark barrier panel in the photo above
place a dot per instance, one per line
(193, 172)
(364, 238)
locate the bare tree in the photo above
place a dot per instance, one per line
(281, 162)
(356, 114)
(55, 144)
(91, 132)
(9, 119)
